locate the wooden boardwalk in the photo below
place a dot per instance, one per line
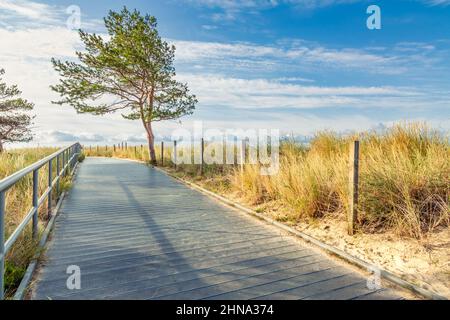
(136, 233)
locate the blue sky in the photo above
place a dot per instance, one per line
(296, 65)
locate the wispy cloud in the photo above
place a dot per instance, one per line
(437, 2)
(28, 10)
(236, 93)
(231, 9)
(298, 55)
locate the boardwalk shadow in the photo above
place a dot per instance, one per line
(164, 241)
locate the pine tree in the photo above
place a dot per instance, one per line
(132, 72)
(15, 122)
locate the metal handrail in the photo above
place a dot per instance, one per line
(69, 157)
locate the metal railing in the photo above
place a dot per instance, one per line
(66, 158)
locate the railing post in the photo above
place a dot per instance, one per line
(63, 163)
(35, 202)
(175, 154)
(353, 187)
(2, 245)
(162, 153)
(202, 150)
(50, 174)
(69, 159)
(58, 169)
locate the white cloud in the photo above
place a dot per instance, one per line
(235, 93)
(28, 9)
(301, 55)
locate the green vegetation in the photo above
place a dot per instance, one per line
(15, 122)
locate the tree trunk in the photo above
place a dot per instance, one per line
(151, 143)
(1, 146)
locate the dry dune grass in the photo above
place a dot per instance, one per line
(404, 178)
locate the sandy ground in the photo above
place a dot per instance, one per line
(423, 262)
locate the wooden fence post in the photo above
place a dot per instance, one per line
(114, 146)
(202, 150)
(353, 187)
(175, 154)
(235, 151)
(135, 151)
(224, 151)
(162, 153)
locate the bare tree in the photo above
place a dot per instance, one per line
(15, 123)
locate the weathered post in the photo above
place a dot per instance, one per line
(162, 153)
(224, 151)
(35, 203)
(202, 150)
(114, 147)
(242, 159)
(243, 148)
(49, 205)
(353, 187)
(235, 151)
(135, 151)
(175, 154)
(126, 146)
(58, 169)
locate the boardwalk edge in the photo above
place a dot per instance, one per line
(31, 269)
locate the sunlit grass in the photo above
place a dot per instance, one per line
(404, 178)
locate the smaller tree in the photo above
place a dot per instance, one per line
(15, 123)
